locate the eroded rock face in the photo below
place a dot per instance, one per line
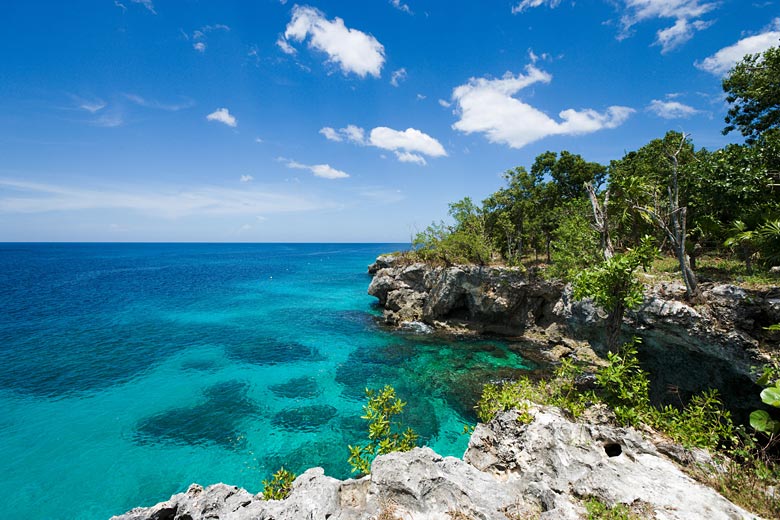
(687, 348)
(484, 299)
(511, 470)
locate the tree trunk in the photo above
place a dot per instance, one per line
(600, 220)
(613, 325)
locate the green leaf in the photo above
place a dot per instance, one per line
(760, 420)
(771, 396)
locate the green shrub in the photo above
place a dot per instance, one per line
(626, 385)
(386, 433)
(598, 510)
(278, 488)
(702, 423)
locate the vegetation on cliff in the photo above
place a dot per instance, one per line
(698, 204)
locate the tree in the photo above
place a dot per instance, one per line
(650, 182)
(614, 287)
(753, 90)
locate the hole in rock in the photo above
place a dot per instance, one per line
(613, 449)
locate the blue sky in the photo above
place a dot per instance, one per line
(266, 120)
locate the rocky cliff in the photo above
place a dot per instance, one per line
(686, 348)
(544, 469)
(483, 299)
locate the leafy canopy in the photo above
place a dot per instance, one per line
(753, 90)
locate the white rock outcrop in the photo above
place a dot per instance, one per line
(543, 469)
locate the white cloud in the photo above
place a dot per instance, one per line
(325, 171)
(199, 35)
(222, 115)
(421, 97)
(671, 109)
(258, 140)
(401, 6)
(286, 47)
(331, 134)
(397, 77)
(351, 133)
(352, 50)
(151, 103)
(445, 103)
(247, 178)
(120, 5)
(527, 4)
(409, 157)
(146, 3)
(91, 105)
(679, 33)
(156, 201)
(488, 106)
(724, 60)
(407, 145)
(685, 13)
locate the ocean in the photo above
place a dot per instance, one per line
(130, 371)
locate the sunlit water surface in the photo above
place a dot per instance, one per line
(130, 371)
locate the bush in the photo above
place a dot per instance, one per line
(278, 488)
(385, 431)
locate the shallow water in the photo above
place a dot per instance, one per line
(132, 370)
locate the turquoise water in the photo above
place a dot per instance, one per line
(130, 371)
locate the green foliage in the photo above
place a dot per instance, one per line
(626, 385)
(278, 488)
(753, 90)
(762, 243)
(703, 423)
(386, 433)
(761, 420)
(560, 391)
(576, 243)
(598, 510)
(612, 285)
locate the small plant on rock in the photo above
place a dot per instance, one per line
(385, 431)
(278, 488)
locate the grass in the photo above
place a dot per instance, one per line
(717, 269)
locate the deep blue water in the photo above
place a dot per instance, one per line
(130, 371)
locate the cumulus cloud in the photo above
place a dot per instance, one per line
(724, 60)
(397, 77)
(352, 50)
(445, 103)
(671, 109)
(157, 201)
(408, 145)
(247, 178)
(489, 106)
(325, 171)
(527, 4)
(222, 115)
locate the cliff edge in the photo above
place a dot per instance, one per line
(545, 467)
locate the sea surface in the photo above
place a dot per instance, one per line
(130, 371)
